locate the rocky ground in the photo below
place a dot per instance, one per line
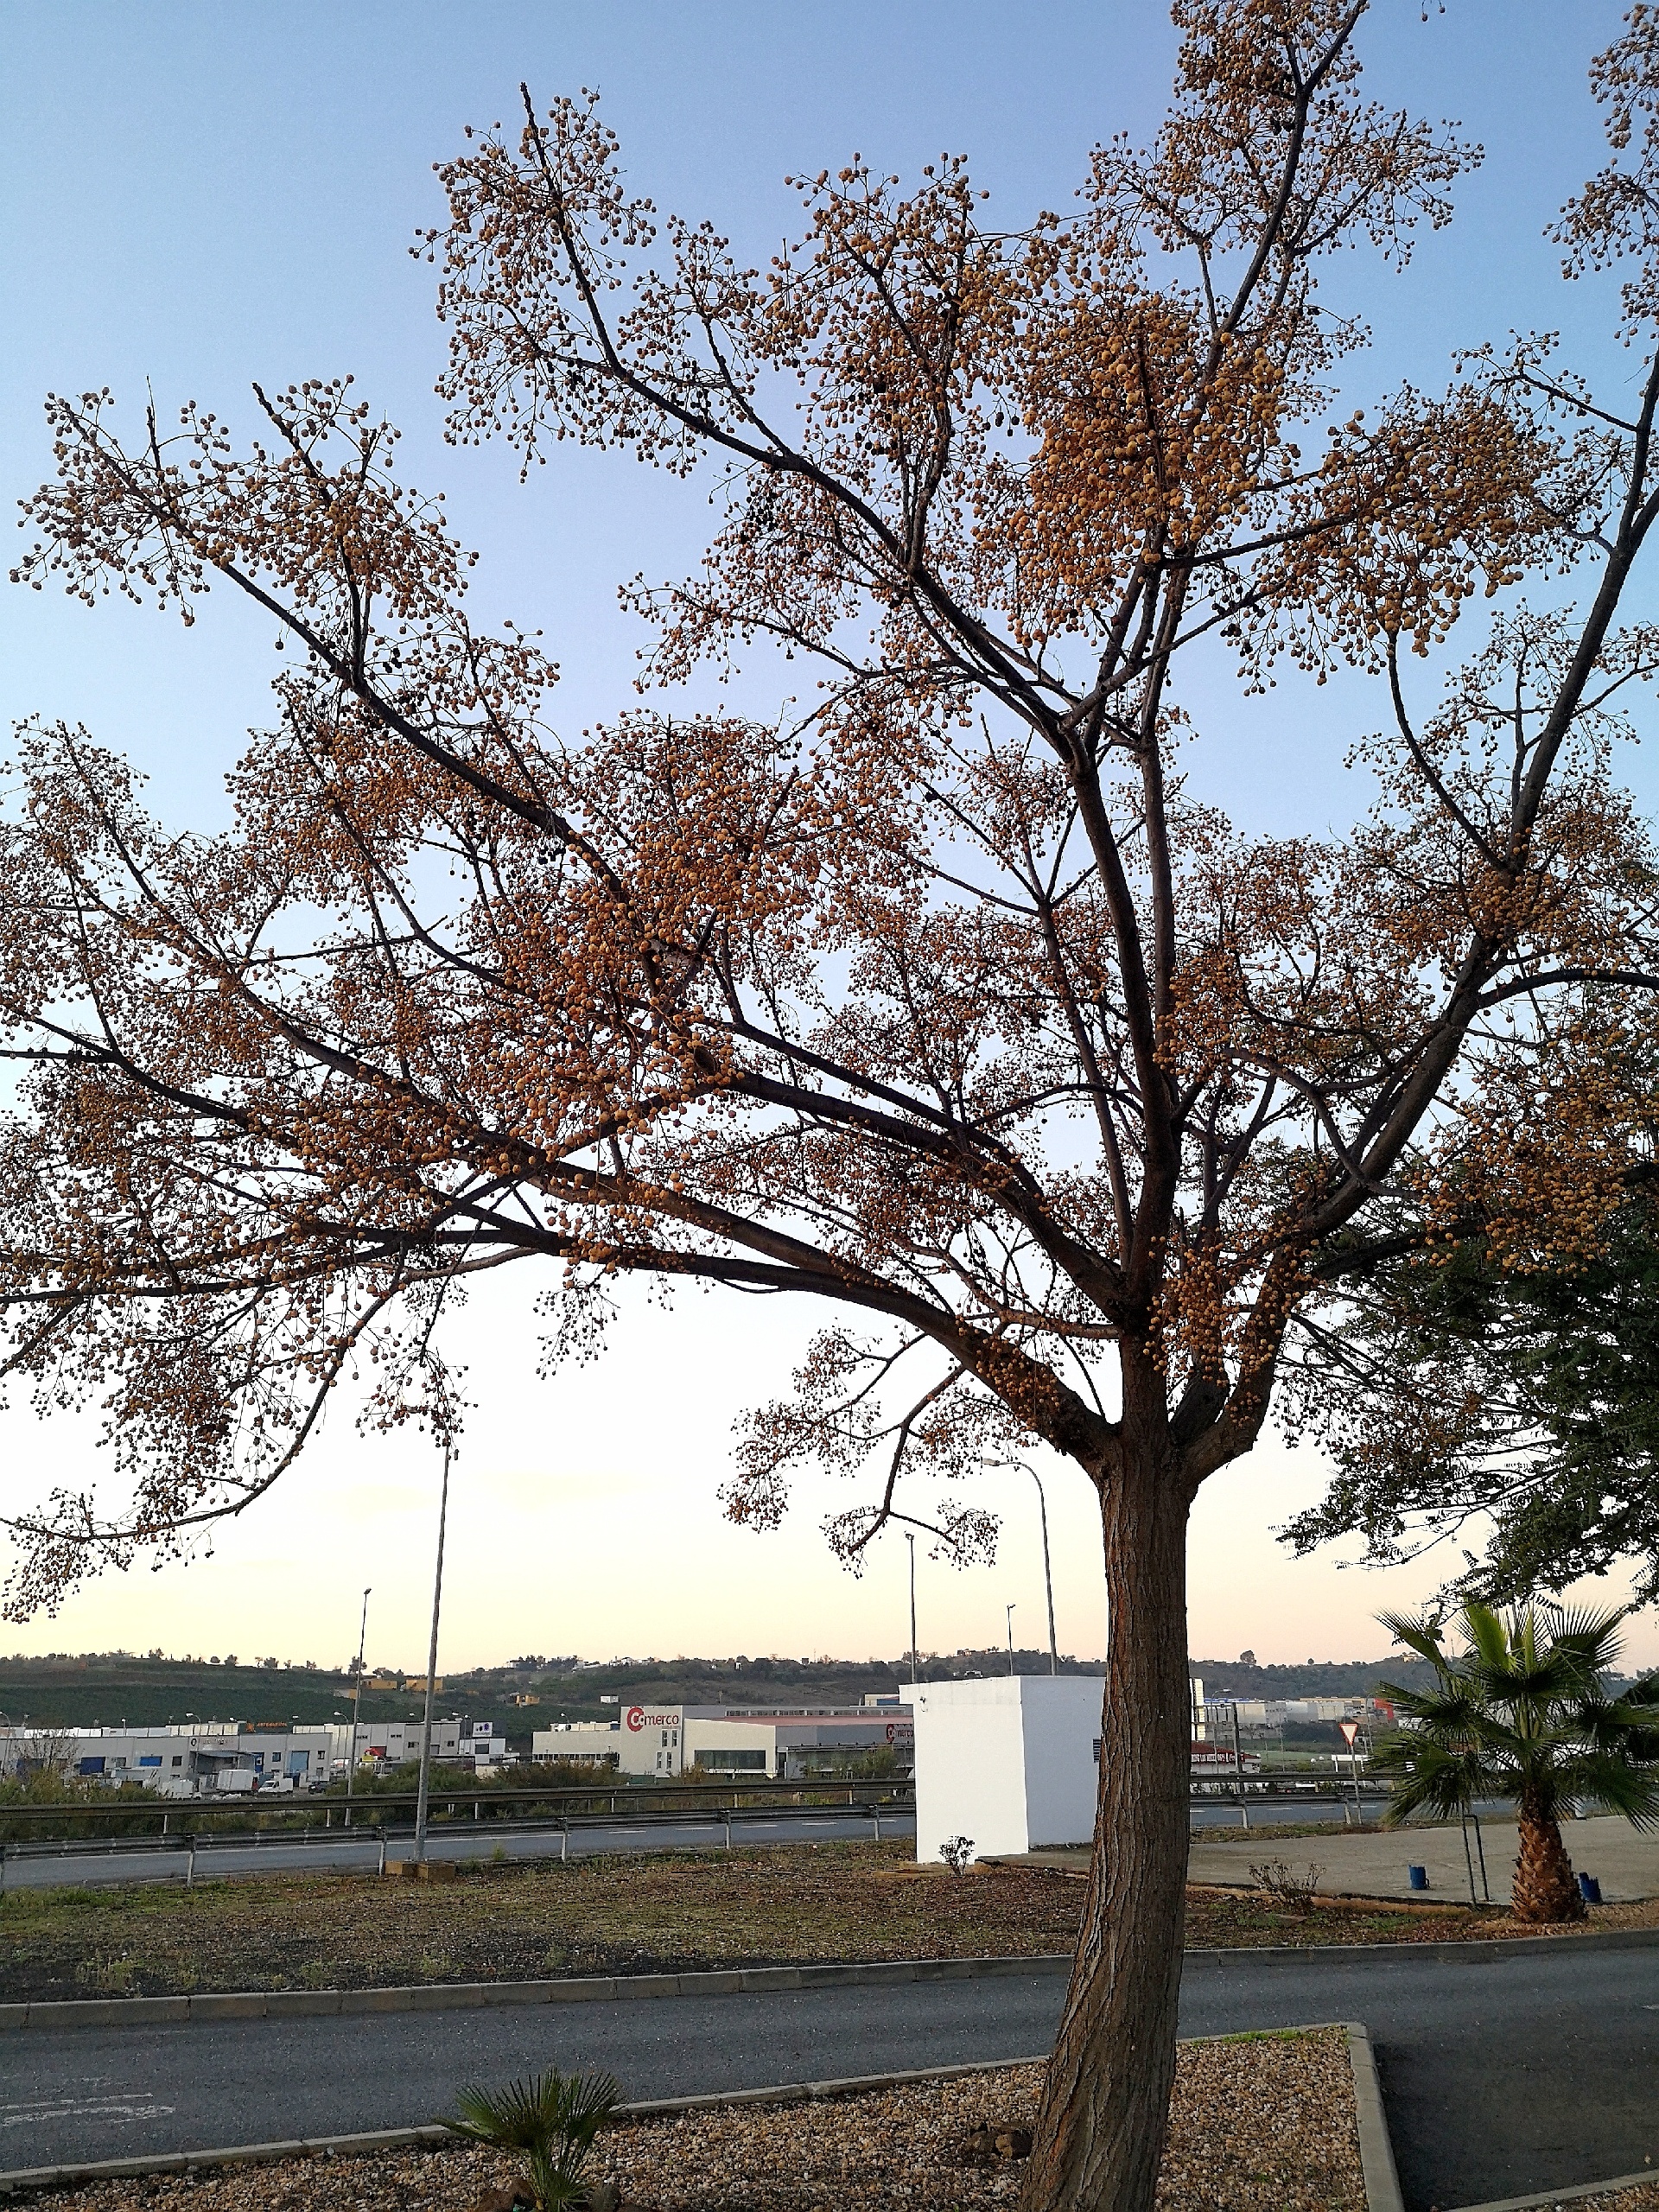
(1258, 2124)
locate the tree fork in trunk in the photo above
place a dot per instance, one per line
(1546, 1888)
(1100, 2133)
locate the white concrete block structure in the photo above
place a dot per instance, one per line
(1012, 1762)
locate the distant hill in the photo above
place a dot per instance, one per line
(1313, 1678)
(106, 1688)
(103, 1689)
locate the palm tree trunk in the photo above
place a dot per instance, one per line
(1099, 2137)
(1545, 1888)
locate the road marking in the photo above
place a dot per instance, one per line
(120, 2108)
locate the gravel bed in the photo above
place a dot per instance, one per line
(1259, 2124)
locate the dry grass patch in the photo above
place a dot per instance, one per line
(1229, 1920)
(667, 1913)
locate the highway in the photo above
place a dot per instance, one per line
(35, 1867)
(339, 1850)
(1532, 2073)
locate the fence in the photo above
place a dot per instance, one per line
(849, 1805)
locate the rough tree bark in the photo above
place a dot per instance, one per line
(1100, 2137)
(1545, 1887)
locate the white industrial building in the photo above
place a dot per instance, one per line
(224, 1757)
(1012, 1762)
(659, 1741)
(479, 1745)
(190, 1760)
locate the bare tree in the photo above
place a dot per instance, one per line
(944, 999)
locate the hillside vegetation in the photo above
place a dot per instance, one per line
(107, 1689)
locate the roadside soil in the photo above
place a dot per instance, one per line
(1229, 1920)
(1299, 2153)
(671, 1913)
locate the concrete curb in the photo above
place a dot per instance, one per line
(1481, 1951)
(746, 1981)
(1550, 2198)
(1371, 2126)
(1376, 2152)
(451, 1996)
(415, 2138)
(733, 1983)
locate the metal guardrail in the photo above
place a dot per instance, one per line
(1227, 1787)
(193, 1844)
(306, 1806)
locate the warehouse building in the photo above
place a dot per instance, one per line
(228, 1758)
(190, 1760)
(665, 1741)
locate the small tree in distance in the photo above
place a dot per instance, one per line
(945, 998)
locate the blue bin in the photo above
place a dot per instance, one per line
(1590, 1889)
(1418, 1877)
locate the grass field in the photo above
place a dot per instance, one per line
(668, 1913)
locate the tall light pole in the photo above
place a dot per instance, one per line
(1009, 1611)
(357, 1699)
(1048, 1573)
(910, 1538)
(431, 1673)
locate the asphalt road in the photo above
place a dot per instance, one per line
(1534, 2073)
(1269, 1812)
(337, 1848)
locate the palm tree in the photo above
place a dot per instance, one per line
(1522, 1713)
(553, 2119)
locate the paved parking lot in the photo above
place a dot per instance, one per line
(1623, 1860)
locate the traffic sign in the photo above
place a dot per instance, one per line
(1350, 1730)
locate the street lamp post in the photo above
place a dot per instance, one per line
(431, 1673)
(357, 1699)
(1009, 1611)
(1048, 1573)
(910, 1538)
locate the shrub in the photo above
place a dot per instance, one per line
(553, 2119)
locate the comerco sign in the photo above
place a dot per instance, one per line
(637, 1717)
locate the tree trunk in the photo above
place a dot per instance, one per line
(1100, 2133)
(1544, 1888)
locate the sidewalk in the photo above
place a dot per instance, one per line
(1625, 1862)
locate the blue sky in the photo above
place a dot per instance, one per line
(198, 195)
